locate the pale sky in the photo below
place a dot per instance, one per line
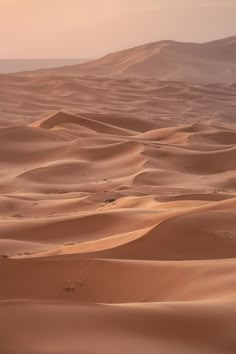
(92, 28)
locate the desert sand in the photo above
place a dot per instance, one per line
(18, 65)
(118, 215)
(210, 62)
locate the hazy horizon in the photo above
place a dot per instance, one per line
(72, 29)
(8, 66)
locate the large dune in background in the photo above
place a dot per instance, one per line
(212, 62)
(118, 211)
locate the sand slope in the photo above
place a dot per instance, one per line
(179, 327)
(118, 216)
(139, 105)
(212, 62)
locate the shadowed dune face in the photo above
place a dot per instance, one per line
(118, 215)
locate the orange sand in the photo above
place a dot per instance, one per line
(118, 214)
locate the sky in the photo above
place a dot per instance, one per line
(93, 28)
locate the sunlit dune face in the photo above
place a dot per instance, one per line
(91, 28)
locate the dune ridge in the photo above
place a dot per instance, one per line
(118, 213)
(211, 62)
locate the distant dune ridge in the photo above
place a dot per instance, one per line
(211, 62)
(118, 204)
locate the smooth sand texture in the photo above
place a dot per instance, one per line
(118, 216)
(211, 62)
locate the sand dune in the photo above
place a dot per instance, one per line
(136, 281)
(179, 327)
(118, 208)
(138, 105)
(212, 62)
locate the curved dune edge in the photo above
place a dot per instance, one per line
(117, 216)
(147, 162)
(127, 239)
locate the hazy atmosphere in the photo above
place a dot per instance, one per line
(118, 176)
(92, 28)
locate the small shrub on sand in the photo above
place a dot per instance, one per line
(69, 287)
(110, 200)
(3, 255)
(69, 243)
